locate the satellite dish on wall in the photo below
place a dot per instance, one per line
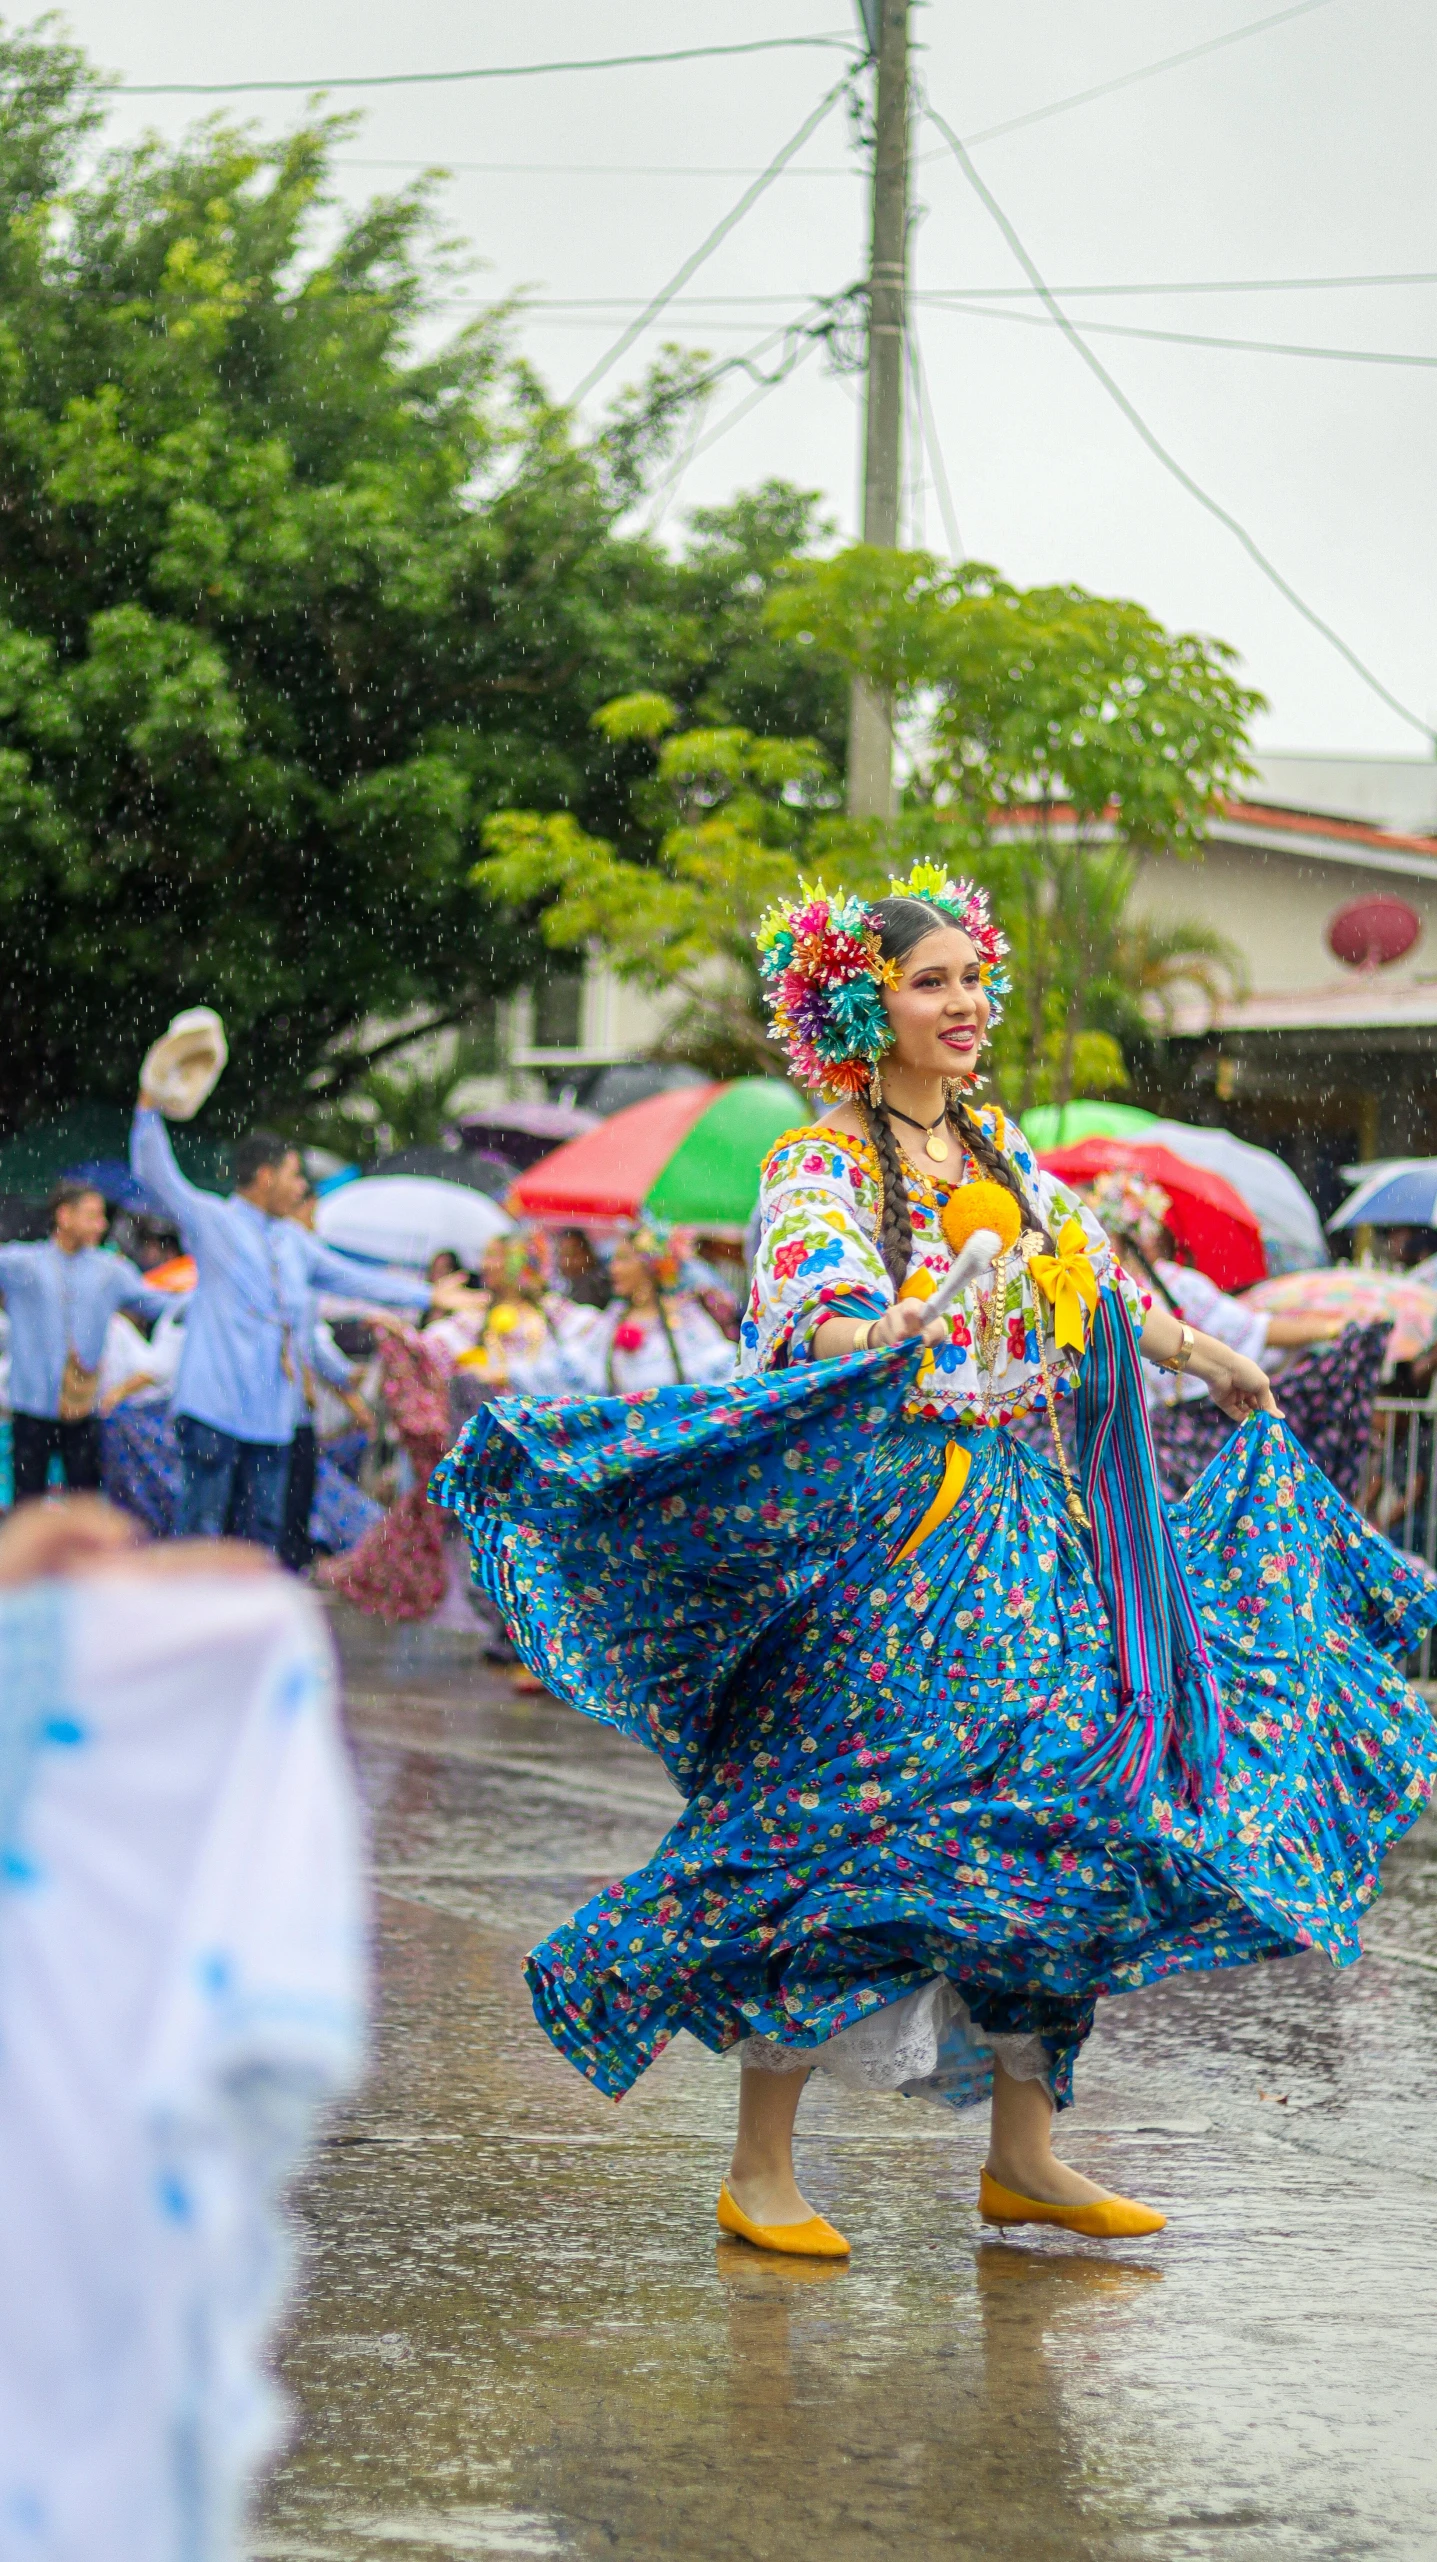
(1372, 932)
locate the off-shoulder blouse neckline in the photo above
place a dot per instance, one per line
(865, 1154)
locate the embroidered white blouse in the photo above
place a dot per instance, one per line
(820, 1207)
(624, 1350)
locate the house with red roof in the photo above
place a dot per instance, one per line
(1323, 877)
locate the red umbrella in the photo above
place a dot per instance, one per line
(1211, 1223)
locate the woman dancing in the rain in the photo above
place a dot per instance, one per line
(965, 1745)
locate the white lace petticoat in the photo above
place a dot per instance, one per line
(924, 2045)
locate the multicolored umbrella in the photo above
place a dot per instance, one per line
(1210, 1222)
(691, 1156)
(1361, 1297)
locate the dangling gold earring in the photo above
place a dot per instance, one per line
(875, 1086)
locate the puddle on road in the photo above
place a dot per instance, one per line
(519, 2322)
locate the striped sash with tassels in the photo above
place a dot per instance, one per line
(1167, 1691)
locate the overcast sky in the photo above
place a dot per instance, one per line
(1302, 152)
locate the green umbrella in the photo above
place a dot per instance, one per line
(711, 1180)
(1061, 1125)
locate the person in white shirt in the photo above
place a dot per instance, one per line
(652, 1334)
(1135, 1215)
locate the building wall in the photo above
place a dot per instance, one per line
(617, 1020)
(1276, 908)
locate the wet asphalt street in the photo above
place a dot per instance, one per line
(520, 2333)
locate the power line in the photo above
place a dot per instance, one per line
(709, 243)
(1186, 337)
(485, 71)
(751, 400)
(601, 168)
(928, 425)
(947, 299)
(1149, 71)
(1202, 285)
(1169, 461)
(954, 301)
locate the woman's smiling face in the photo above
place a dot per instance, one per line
(939, 1009)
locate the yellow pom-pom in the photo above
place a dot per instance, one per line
(981, 1205)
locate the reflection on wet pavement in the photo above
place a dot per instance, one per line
(522, 2335)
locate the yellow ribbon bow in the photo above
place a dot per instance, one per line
(1068, 1279)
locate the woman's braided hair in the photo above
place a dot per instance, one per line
(902, 924)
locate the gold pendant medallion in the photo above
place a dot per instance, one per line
(936, 1148)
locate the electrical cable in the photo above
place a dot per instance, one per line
(751, 400)
(485, 71)
(1182, 337)
(1201, 285)
(600, 168)
(1169, 461)
(929, 426)
(1149, 71)
(913, 450)
(709, 244)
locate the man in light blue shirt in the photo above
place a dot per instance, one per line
(60, 1297)
(240, 1390)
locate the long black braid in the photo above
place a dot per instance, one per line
(902, 924)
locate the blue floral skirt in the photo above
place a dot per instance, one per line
(888, 1764)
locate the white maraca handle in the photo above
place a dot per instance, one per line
(983, 1246)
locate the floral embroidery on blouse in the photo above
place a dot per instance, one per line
(818, 1257)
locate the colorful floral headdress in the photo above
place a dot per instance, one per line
(664, 1248)
(527, 1259)
(824, 975)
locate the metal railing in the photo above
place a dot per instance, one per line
(1402, 1487)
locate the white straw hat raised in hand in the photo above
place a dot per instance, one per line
(185, 1064)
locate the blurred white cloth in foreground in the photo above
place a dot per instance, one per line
(182, 1986)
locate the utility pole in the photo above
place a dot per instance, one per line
(871, 791)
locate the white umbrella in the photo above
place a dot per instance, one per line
(1286, 1213)
(406, 1218)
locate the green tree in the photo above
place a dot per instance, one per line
(1058, 740)
(1062, 739)
(286, 608)
(728, 823)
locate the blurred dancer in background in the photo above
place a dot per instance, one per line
(1327, 1374)
(652, 1334)
(60, 1297)
(239, 1395)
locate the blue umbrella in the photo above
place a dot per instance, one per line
(1397, 1196)
(112, 1176)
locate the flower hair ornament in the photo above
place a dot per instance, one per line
(663, 1247)
(1131, 1208)
(824, 975)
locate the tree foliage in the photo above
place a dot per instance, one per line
(1058, 740)
(287, 607)
(1066, 739)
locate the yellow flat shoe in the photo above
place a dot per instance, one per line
(814, 2239)
(1104, 2219)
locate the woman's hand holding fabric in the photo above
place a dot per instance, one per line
(1238, 1385)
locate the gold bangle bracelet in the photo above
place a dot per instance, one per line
(861, 1335)
(1178, 1365)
